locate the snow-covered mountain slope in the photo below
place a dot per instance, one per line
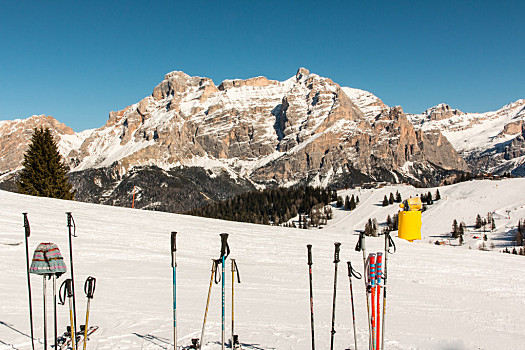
(305, 129)
(439, 297)
(16, 134)
(491, 141)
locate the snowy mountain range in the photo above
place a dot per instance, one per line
(190, 135)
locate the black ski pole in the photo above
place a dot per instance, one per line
(65, 290)
(225, 251)
(352, 272)
(389, 242)
(70, 224)
(336, 261)
(360, 246)
(89, 289)
(27, 229)
(234, 341)
(309, 247)
(174, 268)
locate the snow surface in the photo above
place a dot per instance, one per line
(439, 297)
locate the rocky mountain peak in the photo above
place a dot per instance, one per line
(441, 111)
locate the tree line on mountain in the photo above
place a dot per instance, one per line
(482, 176)
(276, 206)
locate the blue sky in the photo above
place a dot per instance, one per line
(77, 61)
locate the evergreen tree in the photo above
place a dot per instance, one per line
(455, 229)
(398, 198)
(352, 203)
(519, 238)
(44, 173)
(438, 196)
(347, 203)
(357, 200)
(391, 198)
(339, 202)
(478, 222)
(385, 201)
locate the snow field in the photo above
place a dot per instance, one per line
(439, 297)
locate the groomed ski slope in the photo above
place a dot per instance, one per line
(439, 297)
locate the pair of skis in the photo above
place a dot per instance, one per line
(373, 268)
(215, 277)
(351, 272)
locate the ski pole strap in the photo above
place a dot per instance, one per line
(26, 225)
(336, 253)
(216, 263)
(309, 247)
(89, 287)
(173, 247)
(352, 272)
(65, 288)
(359, 245)
(390, 243)
(225, 248)
(69, 221)
(236, 269)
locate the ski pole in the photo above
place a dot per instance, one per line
(309, 247)
(45, 314)
(361, 246)
(389, 242)
(27, 230)
(65, 289)
(379, 260)
(89, 289)
(372, 279)
(70, 224)
(352, 272)
(174, 268)
(215, 263)
(234, 340)
(225, 251)
(336, 261)
(55, 308)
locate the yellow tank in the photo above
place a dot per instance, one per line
(409, 225)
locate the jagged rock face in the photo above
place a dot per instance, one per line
(441, 111)
(15, 137)
(304, 129)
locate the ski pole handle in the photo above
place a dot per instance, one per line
(89, 287)
(309, 247)
(336, 253)
(26, 225)
(65, 290)
(225, 249)
(173, 241)
(352, 272)
(173, 248)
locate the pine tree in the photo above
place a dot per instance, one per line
(339, 202)
(391, 198)
(357, 200)
(455, 229)
(44, 173)
(385, 201)
(398, 197)
(352, 203)
(438, 196)
(478, 222)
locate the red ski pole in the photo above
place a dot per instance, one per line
(379, 263)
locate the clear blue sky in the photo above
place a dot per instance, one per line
(78, 60)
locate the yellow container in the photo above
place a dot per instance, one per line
(409, 225)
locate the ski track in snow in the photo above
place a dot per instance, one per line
(439, 297)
